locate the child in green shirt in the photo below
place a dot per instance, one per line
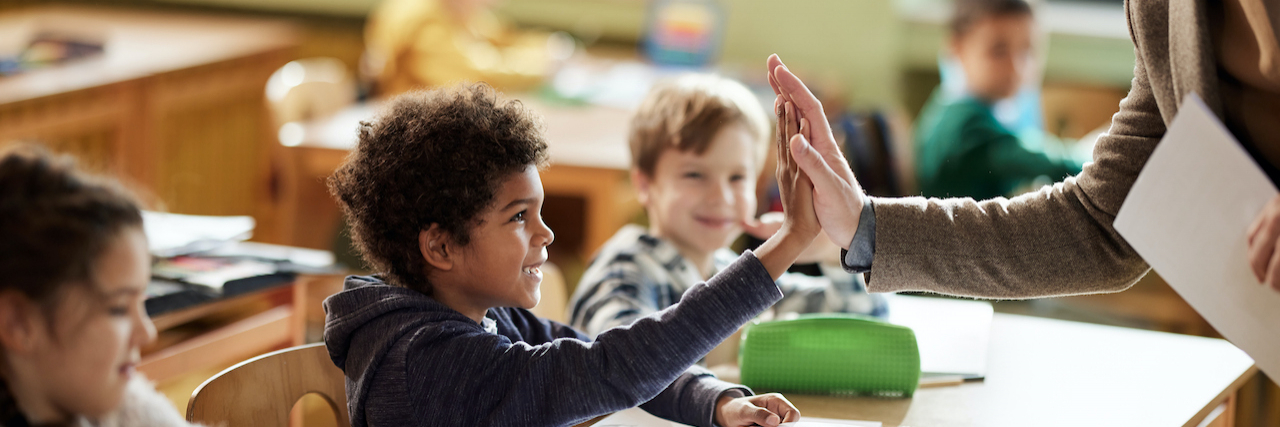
(962, 149)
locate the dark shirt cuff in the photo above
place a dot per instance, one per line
(732, 393)
(862, 250)
(726, 388)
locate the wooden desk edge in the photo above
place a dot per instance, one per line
(1226, 396)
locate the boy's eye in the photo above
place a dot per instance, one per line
(118, 310)
(736, 178)
(693, 175)
(519, 217)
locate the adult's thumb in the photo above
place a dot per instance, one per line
(820, 173)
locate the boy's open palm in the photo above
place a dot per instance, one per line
(794, 187)
(765, 410)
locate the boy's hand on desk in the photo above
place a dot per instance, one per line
(837, 196)
(766, 410)
(820, 251)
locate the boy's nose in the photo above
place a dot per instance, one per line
(723, 194)
(545, 235)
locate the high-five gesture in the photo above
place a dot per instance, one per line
(837, 197)
(800, 225)
(794, 186)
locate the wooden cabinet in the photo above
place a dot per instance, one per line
(174, 106)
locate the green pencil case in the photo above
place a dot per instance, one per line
(830, 354)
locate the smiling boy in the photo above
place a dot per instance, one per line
(698, 142)
(444, 199)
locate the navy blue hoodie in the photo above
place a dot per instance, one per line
(412, 361)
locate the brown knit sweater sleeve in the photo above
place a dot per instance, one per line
(1055, 241)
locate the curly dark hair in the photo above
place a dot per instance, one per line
(55, 220)
(431, 157)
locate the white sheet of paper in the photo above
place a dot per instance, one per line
(174, 234)
(1188, 214)
(953, 335)
(636, 417)
(824, 422)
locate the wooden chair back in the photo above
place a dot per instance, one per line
(263, 390)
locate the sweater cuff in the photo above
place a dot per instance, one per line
(861, 252)
(709, 391)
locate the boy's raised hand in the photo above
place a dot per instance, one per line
(837, 196)
(820, 251)
(800, 224)
(765, 410)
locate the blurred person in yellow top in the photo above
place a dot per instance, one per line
(426, 43)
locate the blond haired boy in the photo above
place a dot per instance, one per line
(698, 142)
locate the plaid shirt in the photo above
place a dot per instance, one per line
(636, 274)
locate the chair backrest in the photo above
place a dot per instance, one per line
(261, 391)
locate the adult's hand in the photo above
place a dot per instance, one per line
(837, 197)
(1263, 257)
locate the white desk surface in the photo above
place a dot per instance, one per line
(1044, 372)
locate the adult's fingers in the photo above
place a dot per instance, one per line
(1254, 228)
(773, 62)
(1262, 244)
(773, 83)
(820, 174)
(796, 91)
(810, 107)
(1272, 276)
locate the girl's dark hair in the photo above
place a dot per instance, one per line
(969, 12)
(432, 157)
(55, 221)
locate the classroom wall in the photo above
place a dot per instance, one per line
(851, 45)
(862, 47)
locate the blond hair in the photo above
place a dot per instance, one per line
(686, 112)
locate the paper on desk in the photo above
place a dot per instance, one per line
(823, 422)
(636, 417)
(173, 234)
(1188, 214)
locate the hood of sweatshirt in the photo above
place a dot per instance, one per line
(367, 319)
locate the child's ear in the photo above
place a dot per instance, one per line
(436, 247)
(17, 327)
(642, 181)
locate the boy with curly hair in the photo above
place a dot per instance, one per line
(444, 199)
